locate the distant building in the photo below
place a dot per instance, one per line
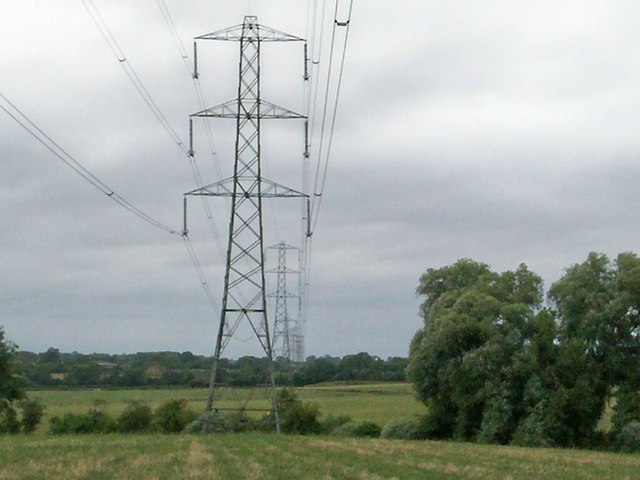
(107, 365)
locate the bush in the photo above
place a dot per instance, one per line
(530, 433)
(354, 429)
(333, 422)
(94, 421)
(402, 429)
(9, 420)
(628, 440)
(296, 416)
(231, 423)
(135, 418)
(172, 417)
(32, 411)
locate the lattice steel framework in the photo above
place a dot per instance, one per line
(285, 329)
(244, 297)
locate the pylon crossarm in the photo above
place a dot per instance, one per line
(270, 189)
(237, 33)
(268, 111)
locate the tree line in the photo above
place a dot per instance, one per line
(497, 361)
(151, 369)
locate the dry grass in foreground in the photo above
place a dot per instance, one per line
(254, 456)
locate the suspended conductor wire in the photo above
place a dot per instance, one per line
(200, 273)
(113, 45)
(326, 106)
(319, 193)
(21, 119)
(166, 15)
(316, 58)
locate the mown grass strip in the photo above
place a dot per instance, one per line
(264, 456)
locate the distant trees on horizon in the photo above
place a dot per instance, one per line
(149, 369)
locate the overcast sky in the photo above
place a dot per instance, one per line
(505, 131)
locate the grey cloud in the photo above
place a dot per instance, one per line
(505, 132)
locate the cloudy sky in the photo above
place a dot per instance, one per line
(505, 131)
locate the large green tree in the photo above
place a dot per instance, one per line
(493, 365)
(473, 363)
(598, 313)
(12, 394)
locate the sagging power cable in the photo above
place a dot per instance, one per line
(38, 134)
(193, 163)
(166, 15)
(323, 160)
(117, 51)
(113, 45)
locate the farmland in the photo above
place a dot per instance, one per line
(264, 456)
(268, 456)
(378, 403)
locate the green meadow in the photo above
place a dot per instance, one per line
(378, 403)
(281, 457)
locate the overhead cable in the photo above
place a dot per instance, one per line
(321, 180)
(113, 45)
(166, 15)
(36, 132)
(193, 163)
(200, 272)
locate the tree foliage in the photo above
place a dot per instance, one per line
(494, 366)
(53, 368)
(13, 398)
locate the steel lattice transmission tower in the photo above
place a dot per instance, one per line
(286, 332)
(244, 297)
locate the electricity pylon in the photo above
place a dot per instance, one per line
(285, 329)
(244, 297)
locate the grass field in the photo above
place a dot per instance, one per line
(260, 456)
(375, 402)
(264, 456)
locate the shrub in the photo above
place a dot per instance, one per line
(194, 427)
(333, 422)
(402, 429)
(238, 422)
(296, 416)
(172, 417)
(94, 421)
(628, 440)
(32, 411)
(102, 422)
(135, 418)
(354, 429)
(9, 420)
(535, 429)
(231, 423)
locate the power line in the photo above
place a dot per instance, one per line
(174, 33)
(117, 51)
(200, 273)
(318, 193)
(166, 14)
(38, 134)
(113, 45)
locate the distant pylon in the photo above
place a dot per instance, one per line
(244, 297)
(286, 341)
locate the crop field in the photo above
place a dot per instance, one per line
(281, 457)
